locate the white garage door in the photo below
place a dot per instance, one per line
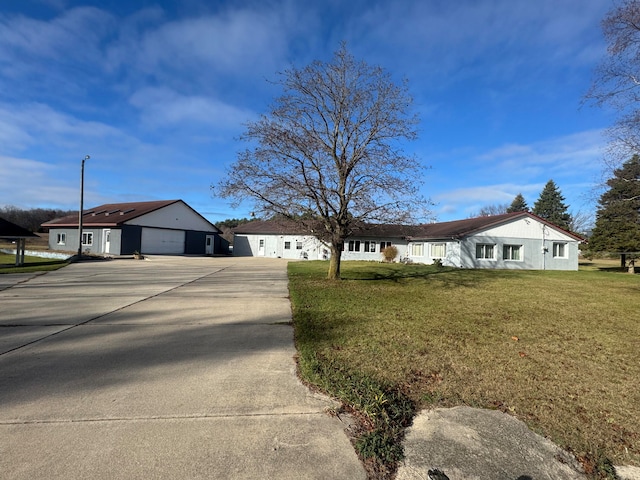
(159, 240)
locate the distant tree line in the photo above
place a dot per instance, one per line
(31, 219)
(227, 226)
(233, 222)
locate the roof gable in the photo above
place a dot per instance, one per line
(110, 214)
(462, 228)
(177, 215)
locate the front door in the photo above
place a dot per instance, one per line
(106, 240)
(208, 250)
(261, 247)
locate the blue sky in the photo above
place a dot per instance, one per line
(157, 93)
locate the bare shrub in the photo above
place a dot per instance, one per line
(390, 253)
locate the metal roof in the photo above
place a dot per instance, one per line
(114, 214)
(11, 230)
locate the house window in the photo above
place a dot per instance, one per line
(559, 250)
(438, 250)
(384, 245)
(369, 246)
(62, 238)
(511, 252)
(87, 238)
(298, 245)
(416, 249)
(287, 245)
(485, 251)
(354, 245)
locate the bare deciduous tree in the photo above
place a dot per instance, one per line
(329, 152)
(490, 210)
(581, 222)
(617, 79)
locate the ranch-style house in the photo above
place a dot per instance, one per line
(519, 240)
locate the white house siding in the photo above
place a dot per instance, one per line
(273, 246)
(376, 255)
(175, 216)
(450, 259)
(311, 248)
(535, 240)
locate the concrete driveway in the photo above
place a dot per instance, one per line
(175, 367)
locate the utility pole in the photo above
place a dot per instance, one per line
(87, 157)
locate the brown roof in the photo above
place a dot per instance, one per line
(110, 214)
(462, 228)
(11, 230)
(431, 231)
(290, 227)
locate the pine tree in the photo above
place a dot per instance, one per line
(550, 206)
(518, 205)
(617, 226)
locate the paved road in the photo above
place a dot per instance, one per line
(175, 367)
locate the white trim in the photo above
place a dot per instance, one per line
(483, 245)
(511, 246)
(89, 237)
(565, 249)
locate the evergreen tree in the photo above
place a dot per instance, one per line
(518, 205)
(617, 226)
(550, 206)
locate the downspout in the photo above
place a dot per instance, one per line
(544, 249)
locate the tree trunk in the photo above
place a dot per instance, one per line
(623, 261)
(334, 262)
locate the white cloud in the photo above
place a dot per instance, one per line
(229, 42)
(36, 125)
(75, 34)
(498, 175)
(29, 183)
(447, 42)
(162, 107)
(558, 156)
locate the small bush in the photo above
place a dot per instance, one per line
(390, 253)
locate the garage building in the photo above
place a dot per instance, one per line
(169, 227)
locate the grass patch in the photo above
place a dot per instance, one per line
(555, 349)
(31, 264)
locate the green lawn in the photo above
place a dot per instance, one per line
(31, 264)
(559, 350)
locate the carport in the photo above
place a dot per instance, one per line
(11, 231)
